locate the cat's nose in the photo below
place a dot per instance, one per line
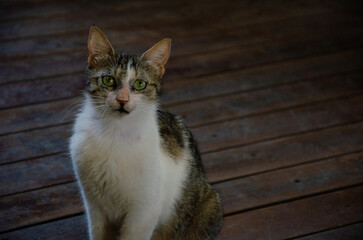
(122, 100)
(123, 95)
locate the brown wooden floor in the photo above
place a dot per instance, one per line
(272, 90)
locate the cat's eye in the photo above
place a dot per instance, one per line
(108, 81)
(140, 85)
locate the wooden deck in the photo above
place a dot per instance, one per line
(272, 91)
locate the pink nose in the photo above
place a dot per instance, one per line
(123, 95)
(122, 100)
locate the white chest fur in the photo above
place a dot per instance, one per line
(122, 167)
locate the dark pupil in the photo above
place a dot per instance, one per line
(108, 81)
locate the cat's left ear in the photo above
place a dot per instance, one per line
(158, 55)
(98, 46)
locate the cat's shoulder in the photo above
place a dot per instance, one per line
(173, 133)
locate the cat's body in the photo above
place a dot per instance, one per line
(139, 169)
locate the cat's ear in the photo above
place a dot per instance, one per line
(158, 54)
(98, 46)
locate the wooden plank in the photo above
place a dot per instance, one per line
(69, 228)
(262, 76)
(351, 231)
(35, 173)
(129, 40)
(37, 206)
(187, 38)
(237, 105)
(282, 152)
(291, 183)
(50, 10)
(121, 17)
(53, 9)
(296, 218)
(17, 3)
(165, 13)
(243, 57)
(34, 143)
(41, 90)
(193, 65)
(211, 138)
(274, 125)
(18, 94)
(26, 209)
(77, 229)
(40, 115)
(83, 19)
(13, 12)
(203, 111)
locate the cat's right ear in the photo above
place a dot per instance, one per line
(98, 46)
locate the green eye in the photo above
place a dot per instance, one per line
(140, 85)
(108, 81)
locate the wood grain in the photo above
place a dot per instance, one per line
(36, 173)
(350, 231)
(298, 217)
(283, 152)
(131, 15)
(274, 125)
(40, 205)
(286, 184)
(69, 228)
(187, 37)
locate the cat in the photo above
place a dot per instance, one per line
(138, 166)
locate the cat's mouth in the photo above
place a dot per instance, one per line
(122, 110)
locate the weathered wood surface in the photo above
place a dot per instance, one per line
(350, 231)
(295, 218)
(272, 90)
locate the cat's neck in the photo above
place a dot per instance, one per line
(140, 122)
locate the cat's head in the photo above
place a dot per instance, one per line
(120, 84)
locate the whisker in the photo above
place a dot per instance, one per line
(71, 110)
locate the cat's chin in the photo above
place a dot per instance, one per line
(120, 113)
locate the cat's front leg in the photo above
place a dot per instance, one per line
(99, 227)
(140, 223)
